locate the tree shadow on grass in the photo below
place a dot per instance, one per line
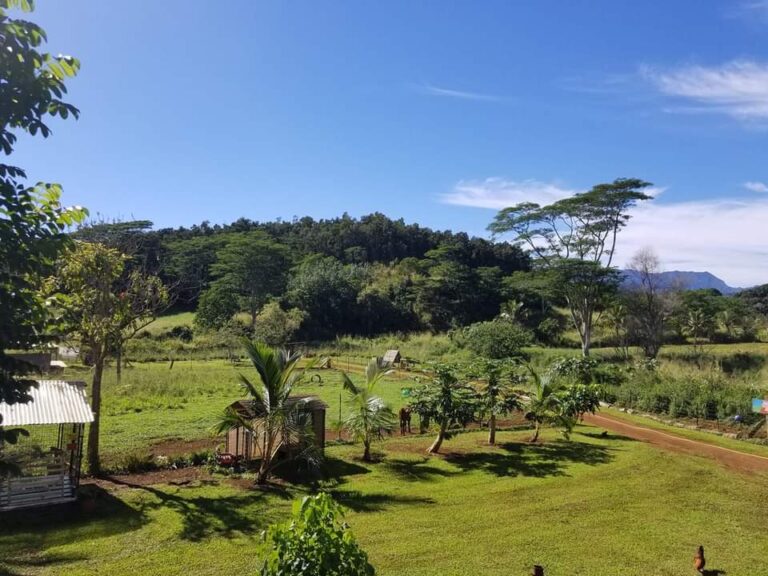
(535, 460)
(360, 502)
(220, 516)
(24, 534)
(415, 470)
(336, 469)
(35, 561)
(606, 436)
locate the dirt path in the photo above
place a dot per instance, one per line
(732, 459)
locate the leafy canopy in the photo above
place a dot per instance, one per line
(32, 220)
(575, 240)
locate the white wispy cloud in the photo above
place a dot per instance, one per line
(431, 90)
(738, 88)
(499, 193)
(756, 186)
(726, 237)
(752, 9)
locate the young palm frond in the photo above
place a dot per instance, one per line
(369, 418)
(545, 404)
(275, 422)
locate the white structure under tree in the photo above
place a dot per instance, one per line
(49, 458)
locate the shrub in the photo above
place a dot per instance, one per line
(709, 396)
(742, 362)
(217, 306)
(314, 543)
(183, 333)
(496, 339)
(276, 326)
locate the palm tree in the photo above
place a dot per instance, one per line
(274, 422)
(545, 404)
(370, 418)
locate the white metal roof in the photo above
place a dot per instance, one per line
(53, 402)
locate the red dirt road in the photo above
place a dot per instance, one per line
(739, 461)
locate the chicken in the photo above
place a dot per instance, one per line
(699, 561)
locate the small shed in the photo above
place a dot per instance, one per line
(391, 357)
(49, 458)
(241, 441)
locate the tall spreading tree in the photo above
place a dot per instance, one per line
(32, 220)
(99, 307)
(255, 266)
(574, 240)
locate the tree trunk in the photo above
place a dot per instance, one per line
(367, 450)
(536, 429)
(435, 448)
(119, 362)
(253, 308)
(492, 430)
(94, 464)
(266, 458)
(586, 340)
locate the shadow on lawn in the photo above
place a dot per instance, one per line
(415, 470)
(23, 533)
(607, 436)
(360, 502)
(537, 460)
(333, 470)
(24, 561)
(220, 516)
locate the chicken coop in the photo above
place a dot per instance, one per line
(242, 442)
(392, 357)
(47, 460)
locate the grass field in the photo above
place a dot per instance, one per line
(592, 507)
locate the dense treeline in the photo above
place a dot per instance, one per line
(345, 275)
(318, 279)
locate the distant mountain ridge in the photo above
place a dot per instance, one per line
(682, 280)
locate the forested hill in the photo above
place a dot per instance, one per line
(381, 273)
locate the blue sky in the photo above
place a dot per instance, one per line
(437, 112)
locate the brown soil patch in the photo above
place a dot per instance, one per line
(178, 447)
(180, 477)
(732, 459)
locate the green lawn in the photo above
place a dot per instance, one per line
(592, 507)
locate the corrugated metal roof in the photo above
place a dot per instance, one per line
(53, 402)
